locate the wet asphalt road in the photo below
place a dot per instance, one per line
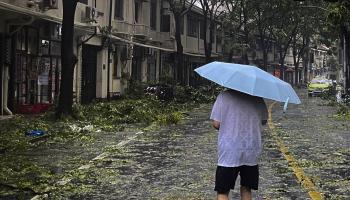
(320, 143)
(178, 162)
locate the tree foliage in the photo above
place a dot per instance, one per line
(339, 17)
(237, 30)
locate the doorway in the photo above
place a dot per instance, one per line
(88, 78)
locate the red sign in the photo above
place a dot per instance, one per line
(277, 73)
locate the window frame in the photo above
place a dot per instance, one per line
(86, 2)
(167, 28)
(119, 9)
(138, 11)
(202, 28)
(153, 14)
(192, 26)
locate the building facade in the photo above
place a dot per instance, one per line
(116, 42)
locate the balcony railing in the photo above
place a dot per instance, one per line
(123, 27)
(141, 30)
(159, 36)
(132, 29)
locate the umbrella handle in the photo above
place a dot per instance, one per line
(285, 105)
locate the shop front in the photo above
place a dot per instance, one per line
(35, 67)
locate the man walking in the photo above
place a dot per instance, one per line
(239, 118)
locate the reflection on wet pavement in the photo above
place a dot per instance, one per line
(179, 161)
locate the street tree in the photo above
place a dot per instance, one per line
(283, 30)
(236, 29)
(310, 26)
(212, 11)
(339, 17)
(68, 60)
(180, 8)
(263, 16)
(307, 24)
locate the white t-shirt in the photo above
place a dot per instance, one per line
(240, 116)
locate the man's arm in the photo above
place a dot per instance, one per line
(216, 124)
(264, 111)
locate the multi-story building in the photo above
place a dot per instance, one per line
(31, 35)
(115, 41)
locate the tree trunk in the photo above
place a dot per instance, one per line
(205, 41)
(179, 68)
(264, 50)
(209, 48)
(282, 69)
(230, 54)
(264, 67)
(205, 44)
(347, 59)
(306, 61)
(245, 53)
(296, 68)
(68, 59)
(294, 49)
(245, 58)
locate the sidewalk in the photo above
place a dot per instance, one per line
(4, 117)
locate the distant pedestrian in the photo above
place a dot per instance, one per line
(239, 118)
(338, 96)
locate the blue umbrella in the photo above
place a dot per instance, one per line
(250, 80)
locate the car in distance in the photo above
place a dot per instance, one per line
(318, 86)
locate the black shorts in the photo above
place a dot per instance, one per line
(226, 177)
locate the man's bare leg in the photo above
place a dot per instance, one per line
(246, 193)
(222, 196)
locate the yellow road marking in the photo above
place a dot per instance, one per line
(298, 171)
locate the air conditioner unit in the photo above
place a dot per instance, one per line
(50, 4)
(90, 14)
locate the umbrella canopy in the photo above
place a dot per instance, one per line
(250, 80)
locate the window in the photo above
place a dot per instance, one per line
(192, 27)
(84, 1)
(165, 23)
(137, 11)
(118, 9)
(202, 33)
(153, 15)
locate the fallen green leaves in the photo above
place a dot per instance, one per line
(343, 112)
(21, 174)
